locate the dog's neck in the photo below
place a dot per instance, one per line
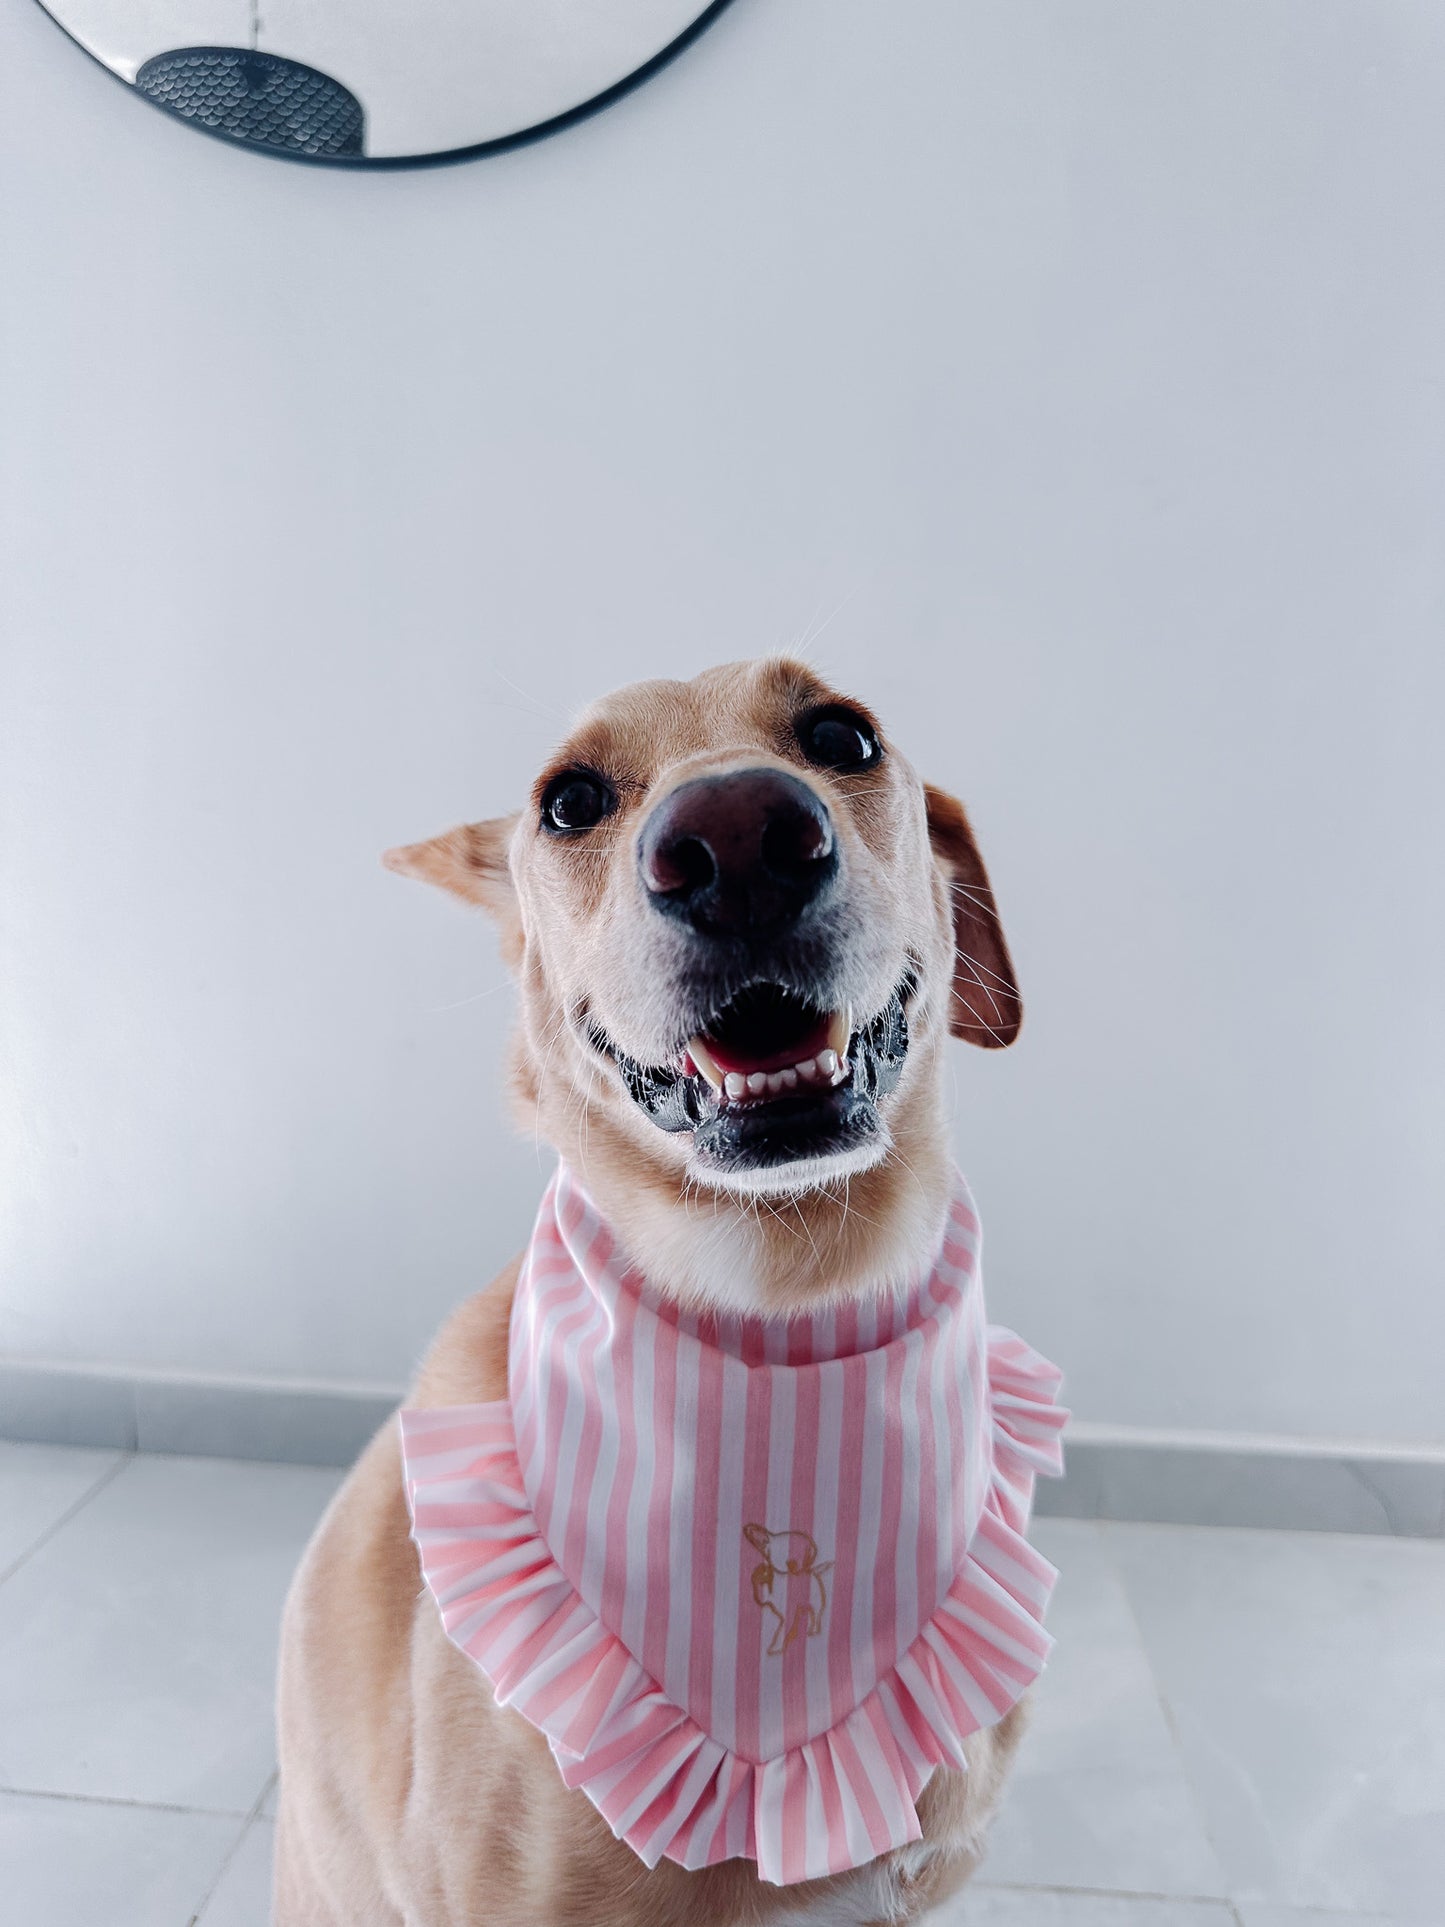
(778, 1256)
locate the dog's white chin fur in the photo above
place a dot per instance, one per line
(715, 1262)
(795, 1180)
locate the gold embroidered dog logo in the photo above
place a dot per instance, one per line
(788, 1556)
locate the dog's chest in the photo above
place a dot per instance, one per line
(884, 1891)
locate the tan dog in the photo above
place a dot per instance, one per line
(712, 880)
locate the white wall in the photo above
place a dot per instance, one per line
(1080, 362)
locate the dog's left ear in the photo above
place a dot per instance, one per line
(470, 861)
(984, 1007)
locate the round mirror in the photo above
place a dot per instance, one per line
(367, 81)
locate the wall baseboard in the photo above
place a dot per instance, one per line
(1114, 1472)
(291, 1421)
(1244, 1479)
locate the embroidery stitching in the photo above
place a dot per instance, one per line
(800, 1561)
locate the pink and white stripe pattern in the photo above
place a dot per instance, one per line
(753, 1579)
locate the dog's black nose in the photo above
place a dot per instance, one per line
(739, 854)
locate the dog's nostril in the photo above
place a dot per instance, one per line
(794, 840)
(685, 863)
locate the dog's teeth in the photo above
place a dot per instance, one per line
(704, 1062)
(840, 1031)
(830, 1066)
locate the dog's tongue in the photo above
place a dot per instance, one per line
(735, 1056)
(767, 1062)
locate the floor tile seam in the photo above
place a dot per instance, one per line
(1196, 1800)
(198, 1912)
(97, 1486)
(1197, 1803)
(1101, 1893)
(122, 1800)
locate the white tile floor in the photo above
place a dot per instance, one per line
(1239, 1729)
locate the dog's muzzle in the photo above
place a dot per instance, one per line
(773, 1068)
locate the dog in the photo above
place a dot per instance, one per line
(743, 931)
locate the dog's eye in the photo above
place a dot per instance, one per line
(839, 738)
(576, 800)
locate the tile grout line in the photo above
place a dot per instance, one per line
(1101, 1893)
(1346, 1916)
(120, 1800)
(1171, 1721)
(250, 1820)
(123, 1459)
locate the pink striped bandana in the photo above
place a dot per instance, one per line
(754, 1579)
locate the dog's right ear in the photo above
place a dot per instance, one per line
(984, 1000)
(470, 861)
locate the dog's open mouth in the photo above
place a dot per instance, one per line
(771, 1078)
(767, 1041)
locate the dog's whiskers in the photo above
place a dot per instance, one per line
(495, 990)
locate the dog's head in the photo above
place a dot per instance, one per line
(787, 1551)
(742, 927)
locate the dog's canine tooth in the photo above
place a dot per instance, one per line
(735, 1084)
(827, 1064)
(706, 1063)
(840, 1031)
